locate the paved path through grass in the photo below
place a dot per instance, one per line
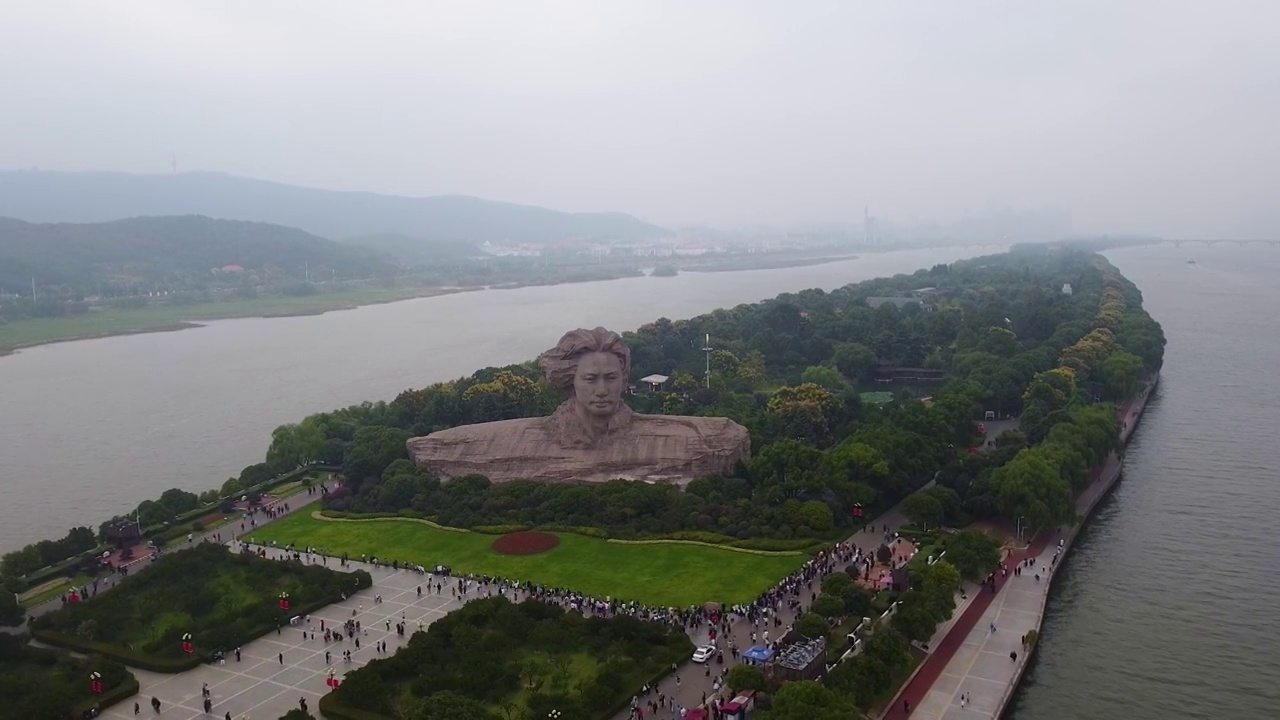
(661, 574)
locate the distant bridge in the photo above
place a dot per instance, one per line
(1216, 241)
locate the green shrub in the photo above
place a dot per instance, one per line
(779, 544)
(498, 529)
(701, 536)
(594, 532)
(625, 651)
(38, 682)
(223, 599)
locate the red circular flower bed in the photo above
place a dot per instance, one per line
(528, 542)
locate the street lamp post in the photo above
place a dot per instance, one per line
(1019, 530)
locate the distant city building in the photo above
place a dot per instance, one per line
(1066, 288)
(511, 251)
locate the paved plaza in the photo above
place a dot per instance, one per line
(981, 667)
(264, 687)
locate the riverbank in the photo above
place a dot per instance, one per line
(113, 322)
(983, 656)
(1130, 415)
(102, 322)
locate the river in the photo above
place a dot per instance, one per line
(91, 428)
(1162, 608)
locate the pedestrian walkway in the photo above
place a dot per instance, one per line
(974, 670)
(222, 535)
(278, 669)
(691, 683)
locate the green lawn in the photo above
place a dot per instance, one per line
(672, 575)
(54, 590)
(106, 321)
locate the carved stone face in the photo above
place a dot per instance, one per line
(598, 383)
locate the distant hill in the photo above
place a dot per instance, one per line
(39, 196)
(409, 251)
(167, 249)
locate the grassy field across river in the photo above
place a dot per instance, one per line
(109, 321)
(660, 574)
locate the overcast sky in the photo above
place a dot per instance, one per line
(1156, 116)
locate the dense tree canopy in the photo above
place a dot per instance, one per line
(791, 370)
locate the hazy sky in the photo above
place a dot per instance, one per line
(1156, 116)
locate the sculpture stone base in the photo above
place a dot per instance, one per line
(654, 448)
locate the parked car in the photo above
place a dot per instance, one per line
(704, 653)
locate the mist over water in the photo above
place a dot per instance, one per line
(1166, 607)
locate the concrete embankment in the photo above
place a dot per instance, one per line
(1130, 415)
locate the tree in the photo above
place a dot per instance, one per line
(914, 618)
(447, 706)
(857, 600)
(931, 506)
(746, 677)
(939, 582)
(373, 448)
(808, 700)
(1030, 486)
(812, 625)
(835, 583)
(974, 554)
(889, 647)
(295, 444)
(855, 360)
(1000, 342)
(1121, 375)
(825, 377)
(817, 515)
(256, 474)
(11, 613)
(828, 606)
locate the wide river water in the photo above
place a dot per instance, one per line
(1165, 607)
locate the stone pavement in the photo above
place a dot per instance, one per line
(278, 669)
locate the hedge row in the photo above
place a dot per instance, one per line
(498, 529)
(332, 709)
(203, 511)
(703, 544)
(340, 516)
(124, 690)
(163, 533)
(759, 546)
(114, 652)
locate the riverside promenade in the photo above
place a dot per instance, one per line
(974, 658)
